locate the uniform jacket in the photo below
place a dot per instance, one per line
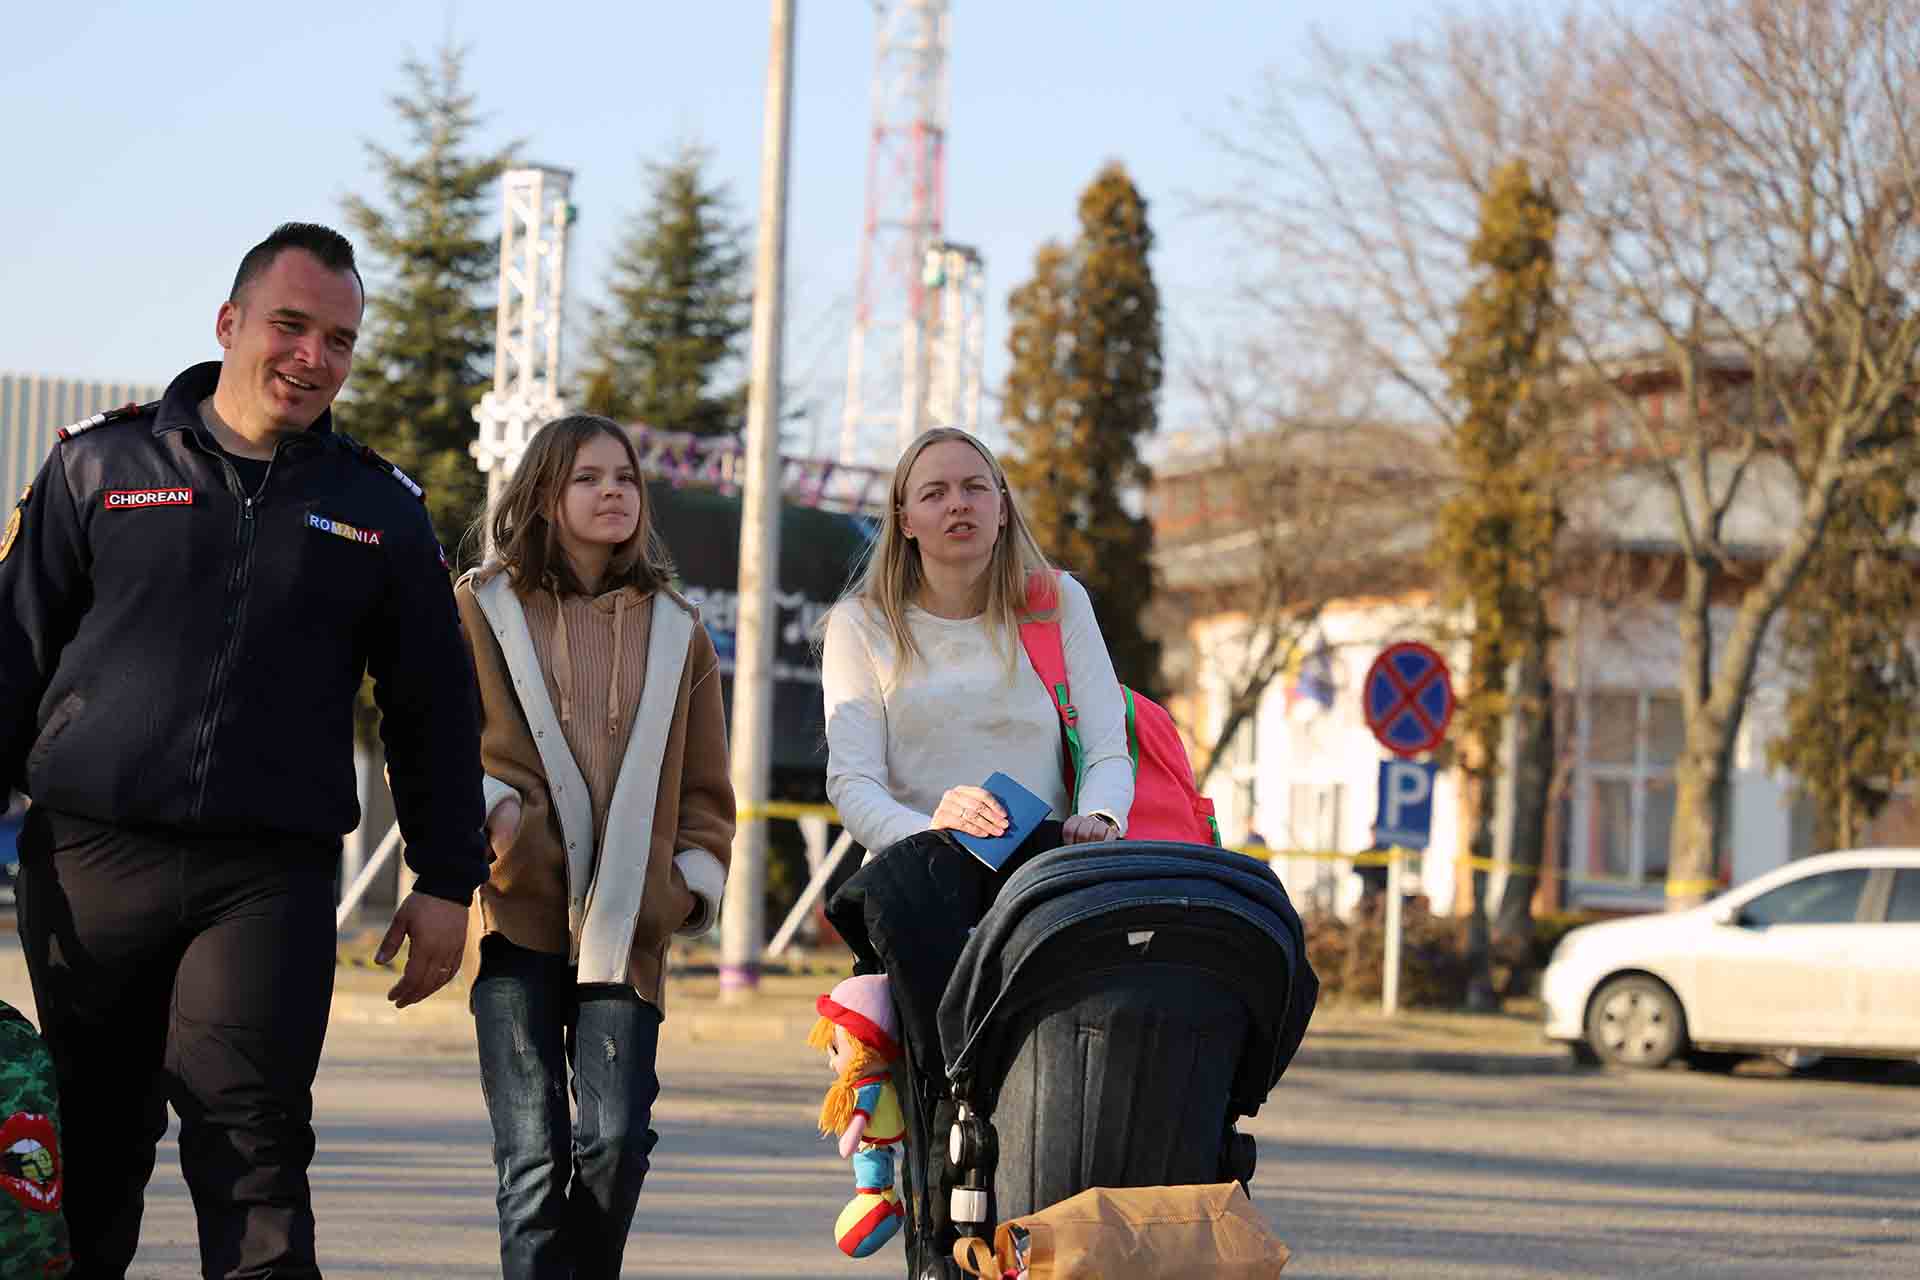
(179, 656)
(670, 821)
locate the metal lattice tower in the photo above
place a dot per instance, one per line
(887, 359)
(526, 346)
(957, 281)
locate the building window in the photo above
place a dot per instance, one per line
(1243, 762)
(1624, 807)
(1313, 826)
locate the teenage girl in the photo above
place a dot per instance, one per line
(610, 815)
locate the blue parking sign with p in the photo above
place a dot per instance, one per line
(1405, 815)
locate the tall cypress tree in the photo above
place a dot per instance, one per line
(426, 358)
(1082, 392)
(1042, 464)
(1853, 723)
(1496, 537)
(679, 309)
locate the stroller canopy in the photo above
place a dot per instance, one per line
(1102, 905)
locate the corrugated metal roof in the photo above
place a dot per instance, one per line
(33, 407)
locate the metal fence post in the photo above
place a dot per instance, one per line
(1390, 962)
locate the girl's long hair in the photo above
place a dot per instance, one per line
(523, 522)
(891, 576)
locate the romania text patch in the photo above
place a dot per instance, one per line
(133, 499)
(341, 529)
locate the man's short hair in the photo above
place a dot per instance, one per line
(334, 251)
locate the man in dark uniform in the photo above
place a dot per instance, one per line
(190, 593)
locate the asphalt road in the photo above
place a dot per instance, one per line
(1363, 1174)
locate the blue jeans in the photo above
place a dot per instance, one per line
(568, 1187)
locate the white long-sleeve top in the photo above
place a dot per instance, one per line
(897, 740)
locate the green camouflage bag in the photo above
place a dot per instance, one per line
(33, 1235)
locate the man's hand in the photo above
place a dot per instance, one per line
(436, 934)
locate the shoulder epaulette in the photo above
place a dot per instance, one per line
(366, 454)
(121, 414)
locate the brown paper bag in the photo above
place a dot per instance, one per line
(1141, 1233)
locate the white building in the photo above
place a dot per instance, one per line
(1303, 775)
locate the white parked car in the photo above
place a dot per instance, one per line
(1821, 956)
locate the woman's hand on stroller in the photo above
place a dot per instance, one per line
(972, 810)
(1087, 828)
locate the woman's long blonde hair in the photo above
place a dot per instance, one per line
(891, 576)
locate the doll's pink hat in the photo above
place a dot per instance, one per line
(862, 1006)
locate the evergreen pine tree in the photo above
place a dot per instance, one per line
(425, 358)
(679, 312)
(1081, 395)
(1496, 537)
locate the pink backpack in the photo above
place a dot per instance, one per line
(1166, 803)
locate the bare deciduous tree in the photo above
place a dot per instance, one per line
(1751, 201)
(1738, 182)
(1294, 499)
(1358, 197)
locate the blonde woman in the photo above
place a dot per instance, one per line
(928, 691)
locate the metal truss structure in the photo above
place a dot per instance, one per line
(526, 352)
(956, 278)
(719, 462)
(888, 354)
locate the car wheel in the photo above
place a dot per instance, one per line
(1636, 1022)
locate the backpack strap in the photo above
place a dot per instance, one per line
(1048, 654)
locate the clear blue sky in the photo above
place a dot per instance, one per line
(148, 145)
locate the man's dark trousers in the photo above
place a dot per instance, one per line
(189, 970)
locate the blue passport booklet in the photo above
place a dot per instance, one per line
(1025, 811)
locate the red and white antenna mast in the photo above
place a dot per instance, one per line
(888, 357)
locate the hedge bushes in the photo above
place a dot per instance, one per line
(1346, 954)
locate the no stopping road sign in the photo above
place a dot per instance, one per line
(1408, 698)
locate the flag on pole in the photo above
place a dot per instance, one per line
(1310, 676)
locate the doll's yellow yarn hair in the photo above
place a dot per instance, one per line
(837, 1108)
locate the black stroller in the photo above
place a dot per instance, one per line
(1165, 984)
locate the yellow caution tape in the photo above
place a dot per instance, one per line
(1266, 853)
(782, 809)
(1369, 858)
(1380, 857)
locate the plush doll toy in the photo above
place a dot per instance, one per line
(856, 1029)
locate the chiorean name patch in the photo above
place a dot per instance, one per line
(132, 499)
(341, 529)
